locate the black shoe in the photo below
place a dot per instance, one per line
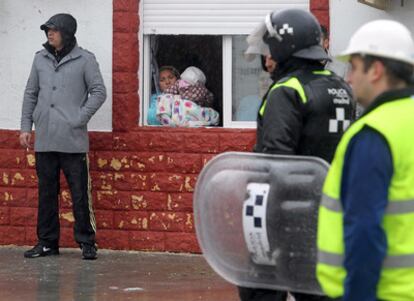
(89, 252)
(39, 251)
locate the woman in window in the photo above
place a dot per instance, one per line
(187, 103)
(168, 75)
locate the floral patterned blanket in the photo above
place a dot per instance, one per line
(173, 110)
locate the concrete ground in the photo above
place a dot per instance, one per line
(115, 275)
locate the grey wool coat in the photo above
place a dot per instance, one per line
(60, 99)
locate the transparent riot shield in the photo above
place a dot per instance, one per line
(256, 217)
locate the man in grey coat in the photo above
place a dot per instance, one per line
(64, 90)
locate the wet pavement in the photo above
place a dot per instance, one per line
(116, 275)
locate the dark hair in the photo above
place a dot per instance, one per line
(173, 70)
(396, 70)
(263, 62)
(325, 33)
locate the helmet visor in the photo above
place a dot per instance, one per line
(256, 45)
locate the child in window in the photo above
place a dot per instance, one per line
(191, 86)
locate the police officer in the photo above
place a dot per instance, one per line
(306, 110)
(365, 241)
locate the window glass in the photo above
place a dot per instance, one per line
(249, 82)
(181, 52)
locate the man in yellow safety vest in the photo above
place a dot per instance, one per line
(366, 217)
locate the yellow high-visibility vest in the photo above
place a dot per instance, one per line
(395, 121)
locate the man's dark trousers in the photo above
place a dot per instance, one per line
(75, 167)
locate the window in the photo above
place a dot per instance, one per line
(209, 34)
(206, 52)
(182, 51)
(249, 83)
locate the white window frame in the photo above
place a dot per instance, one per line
(228, 88)
(146, 78)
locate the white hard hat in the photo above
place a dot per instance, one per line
(382, 38)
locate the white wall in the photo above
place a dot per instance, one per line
(346, 16)
(21, 37)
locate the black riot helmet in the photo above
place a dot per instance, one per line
(293, 33)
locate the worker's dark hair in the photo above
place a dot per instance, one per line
(397, 71)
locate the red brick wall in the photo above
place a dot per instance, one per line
(320, 8)
(142, 177)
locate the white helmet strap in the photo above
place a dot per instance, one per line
(272, 30)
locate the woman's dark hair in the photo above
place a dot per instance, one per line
(172, 69)
(396, 70)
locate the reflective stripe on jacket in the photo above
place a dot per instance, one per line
(304, 113)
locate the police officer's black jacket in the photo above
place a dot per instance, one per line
(311, 124)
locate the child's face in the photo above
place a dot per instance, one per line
(167, 79)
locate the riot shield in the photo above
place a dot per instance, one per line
(256, 217)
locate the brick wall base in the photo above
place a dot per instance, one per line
(142, 187)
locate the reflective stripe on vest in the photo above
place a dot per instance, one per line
(322, 72)
(394, 261)
(293, 83)
(397, 207)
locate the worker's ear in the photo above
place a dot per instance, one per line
(376, 71)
